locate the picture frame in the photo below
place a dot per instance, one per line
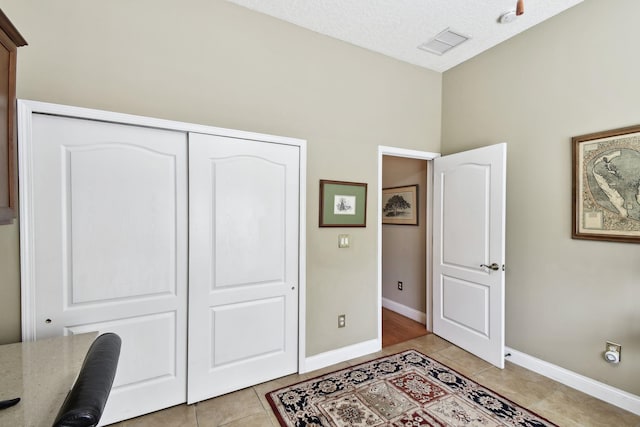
(400, 205)
(343, 204)
(606, 185)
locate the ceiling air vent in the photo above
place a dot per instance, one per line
(444, 41)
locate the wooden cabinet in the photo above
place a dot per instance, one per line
(10, 40)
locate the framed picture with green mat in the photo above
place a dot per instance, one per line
(343, 204)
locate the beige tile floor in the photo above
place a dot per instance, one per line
(556, 402)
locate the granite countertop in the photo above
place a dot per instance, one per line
(41, 373)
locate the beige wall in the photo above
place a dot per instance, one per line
(215, 63)
(218, 64)
(404, 246)
(9, 284)
(575, 74)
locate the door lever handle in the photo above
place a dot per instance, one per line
(494, 266)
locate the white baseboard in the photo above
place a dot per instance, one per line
(409, 312)
(612, 395)
(338, 355)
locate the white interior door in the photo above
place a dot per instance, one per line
(107, 244)
(468, 250)
(243, 265)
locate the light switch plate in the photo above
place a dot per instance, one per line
(343, 240)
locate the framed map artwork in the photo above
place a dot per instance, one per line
(606, 185)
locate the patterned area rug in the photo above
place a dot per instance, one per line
(405, 390)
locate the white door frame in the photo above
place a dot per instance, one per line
(27, 284)
(409, 154)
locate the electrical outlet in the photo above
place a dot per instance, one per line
(399, 286)
(343, 241)
(342, 320)
(611, 346)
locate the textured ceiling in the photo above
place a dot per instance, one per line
(397, 27)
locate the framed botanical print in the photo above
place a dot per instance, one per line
(343, 204)
(400, 205)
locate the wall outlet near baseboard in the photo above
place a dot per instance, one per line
(342, 320)
(612, 352)
(400, 286)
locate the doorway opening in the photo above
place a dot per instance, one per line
(397, 328)
(404, 253)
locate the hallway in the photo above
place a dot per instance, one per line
(396, 328)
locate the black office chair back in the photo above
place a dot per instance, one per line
(85, 402)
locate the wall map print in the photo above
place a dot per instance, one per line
(606, 185)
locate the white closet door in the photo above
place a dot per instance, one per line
(243, 263)
(110, 249)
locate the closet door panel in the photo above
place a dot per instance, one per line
(141, 333)
(243, 265)
(248, 211)
(140, 257)
(266, 337)
(110, 249)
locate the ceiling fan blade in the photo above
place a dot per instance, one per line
(520, 7)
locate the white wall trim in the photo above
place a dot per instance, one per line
(404, 152)
(384, 150)
(28, 107)
(429, 252)
(338, 355)
(302, 261)
(25, 177)
(406, 311)
(612, 395)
